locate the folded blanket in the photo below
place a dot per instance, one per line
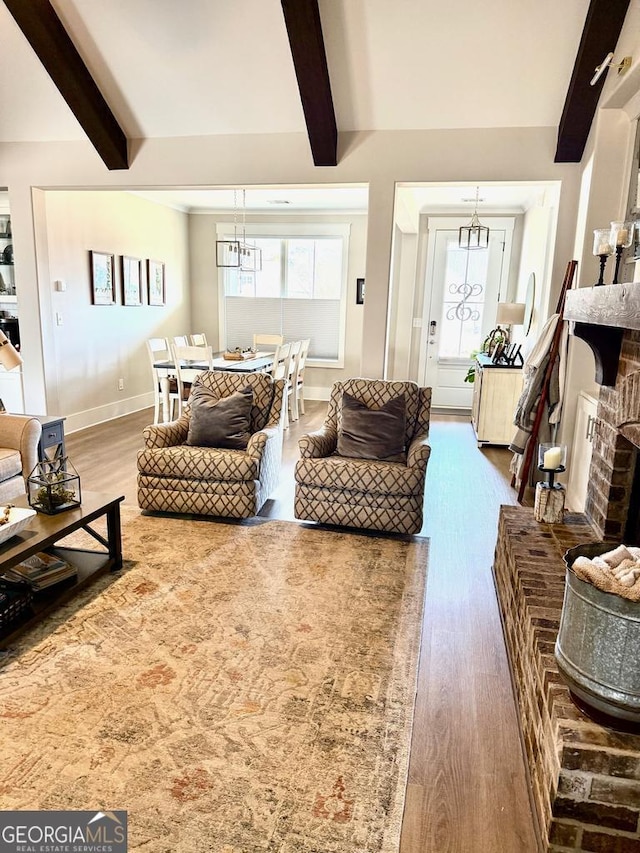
(617, 571)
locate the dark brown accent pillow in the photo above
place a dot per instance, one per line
(372, 433)
(220, 421)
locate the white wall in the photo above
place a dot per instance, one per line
(99, 344)
(379, 159)
(534, 258)
(403, 293)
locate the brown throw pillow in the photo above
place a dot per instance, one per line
(220, 421)
(372, 433)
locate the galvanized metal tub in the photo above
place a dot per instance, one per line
(598, 644)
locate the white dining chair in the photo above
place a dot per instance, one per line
(180, 340)
(186, 373)
(267, 341)
(198, 339)
(292, 411)
(165, 385)
(280, 370)
(298, 378)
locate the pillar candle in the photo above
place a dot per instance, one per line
(552, 458)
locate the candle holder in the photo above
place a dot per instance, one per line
(549, 498)
(551, 461)
(602, 248)
(620, 236)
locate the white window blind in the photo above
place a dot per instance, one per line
(299, 293)
(295, 319)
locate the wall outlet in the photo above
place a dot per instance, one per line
(58, 318)
(121, 384)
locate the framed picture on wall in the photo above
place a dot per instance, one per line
(155, 282)
(359, 291)
(131, 281)
(103, 285)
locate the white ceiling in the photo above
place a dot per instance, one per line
(207, 67)
(280, 199)
(350, 199)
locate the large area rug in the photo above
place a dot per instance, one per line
(237, 689)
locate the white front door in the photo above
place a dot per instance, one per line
(462, 289)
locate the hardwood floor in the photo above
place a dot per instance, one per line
(467, 788)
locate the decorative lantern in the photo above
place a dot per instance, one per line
(474, 235)
(54, 486)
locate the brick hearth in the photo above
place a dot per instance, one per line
(585, 778)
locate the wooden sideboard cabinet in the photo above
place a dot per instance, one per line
(496, 391)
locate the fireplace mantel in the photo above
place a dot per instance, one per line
(600, 316)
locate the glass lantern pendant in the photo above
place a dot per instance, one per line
(237, 253)
(474, 235)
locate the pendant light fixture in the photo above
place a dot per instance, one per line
(474, 235)
(237, 253)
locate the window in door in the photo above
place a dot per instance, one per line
(463, 301)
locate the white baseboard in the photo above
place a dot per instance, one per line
(311, 393)
(129, 405)
(100, 414)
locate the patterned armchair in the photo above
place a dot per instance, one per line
(366, 493)
(176, 477)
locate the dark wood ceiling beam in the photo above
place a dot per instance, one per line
(302, 19)
(599, 37)
(46, 34)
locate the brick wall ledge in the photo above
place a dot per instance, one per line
(584, 778)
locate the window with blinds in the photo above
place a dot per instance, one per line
(299, 293)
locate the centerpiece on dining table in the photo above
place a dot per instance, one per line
(238, 354)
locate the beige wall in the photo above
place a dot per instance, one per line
(379, 159)
(204, 288)
(97, 345)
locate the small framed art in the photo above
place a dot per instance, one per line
(359, 291)
(155, 282)
(103, 285)
(131, 281)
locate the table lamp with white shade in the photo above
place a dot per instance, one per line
(10, 358)
(508, 314)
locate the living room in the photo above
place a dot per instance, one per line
(64, 203)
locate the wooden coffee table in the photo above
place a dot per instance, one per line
(43, 532)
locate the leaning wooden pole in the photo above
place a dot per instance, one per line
(544, 390)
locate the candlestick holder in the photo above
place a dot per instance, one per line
(549, 498)
(550, 473)
(619, 250)
(602, 248)
(603, 261)
(552, 459)
(621, 236)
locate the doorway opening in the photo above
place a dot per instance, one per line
(443, 299)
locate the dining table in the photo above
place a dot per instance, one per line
(257, 362)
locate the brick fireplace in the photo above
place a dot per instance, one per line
(616, 441)
(584, 777)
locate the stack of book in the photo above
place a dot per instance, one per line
(40, 571)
